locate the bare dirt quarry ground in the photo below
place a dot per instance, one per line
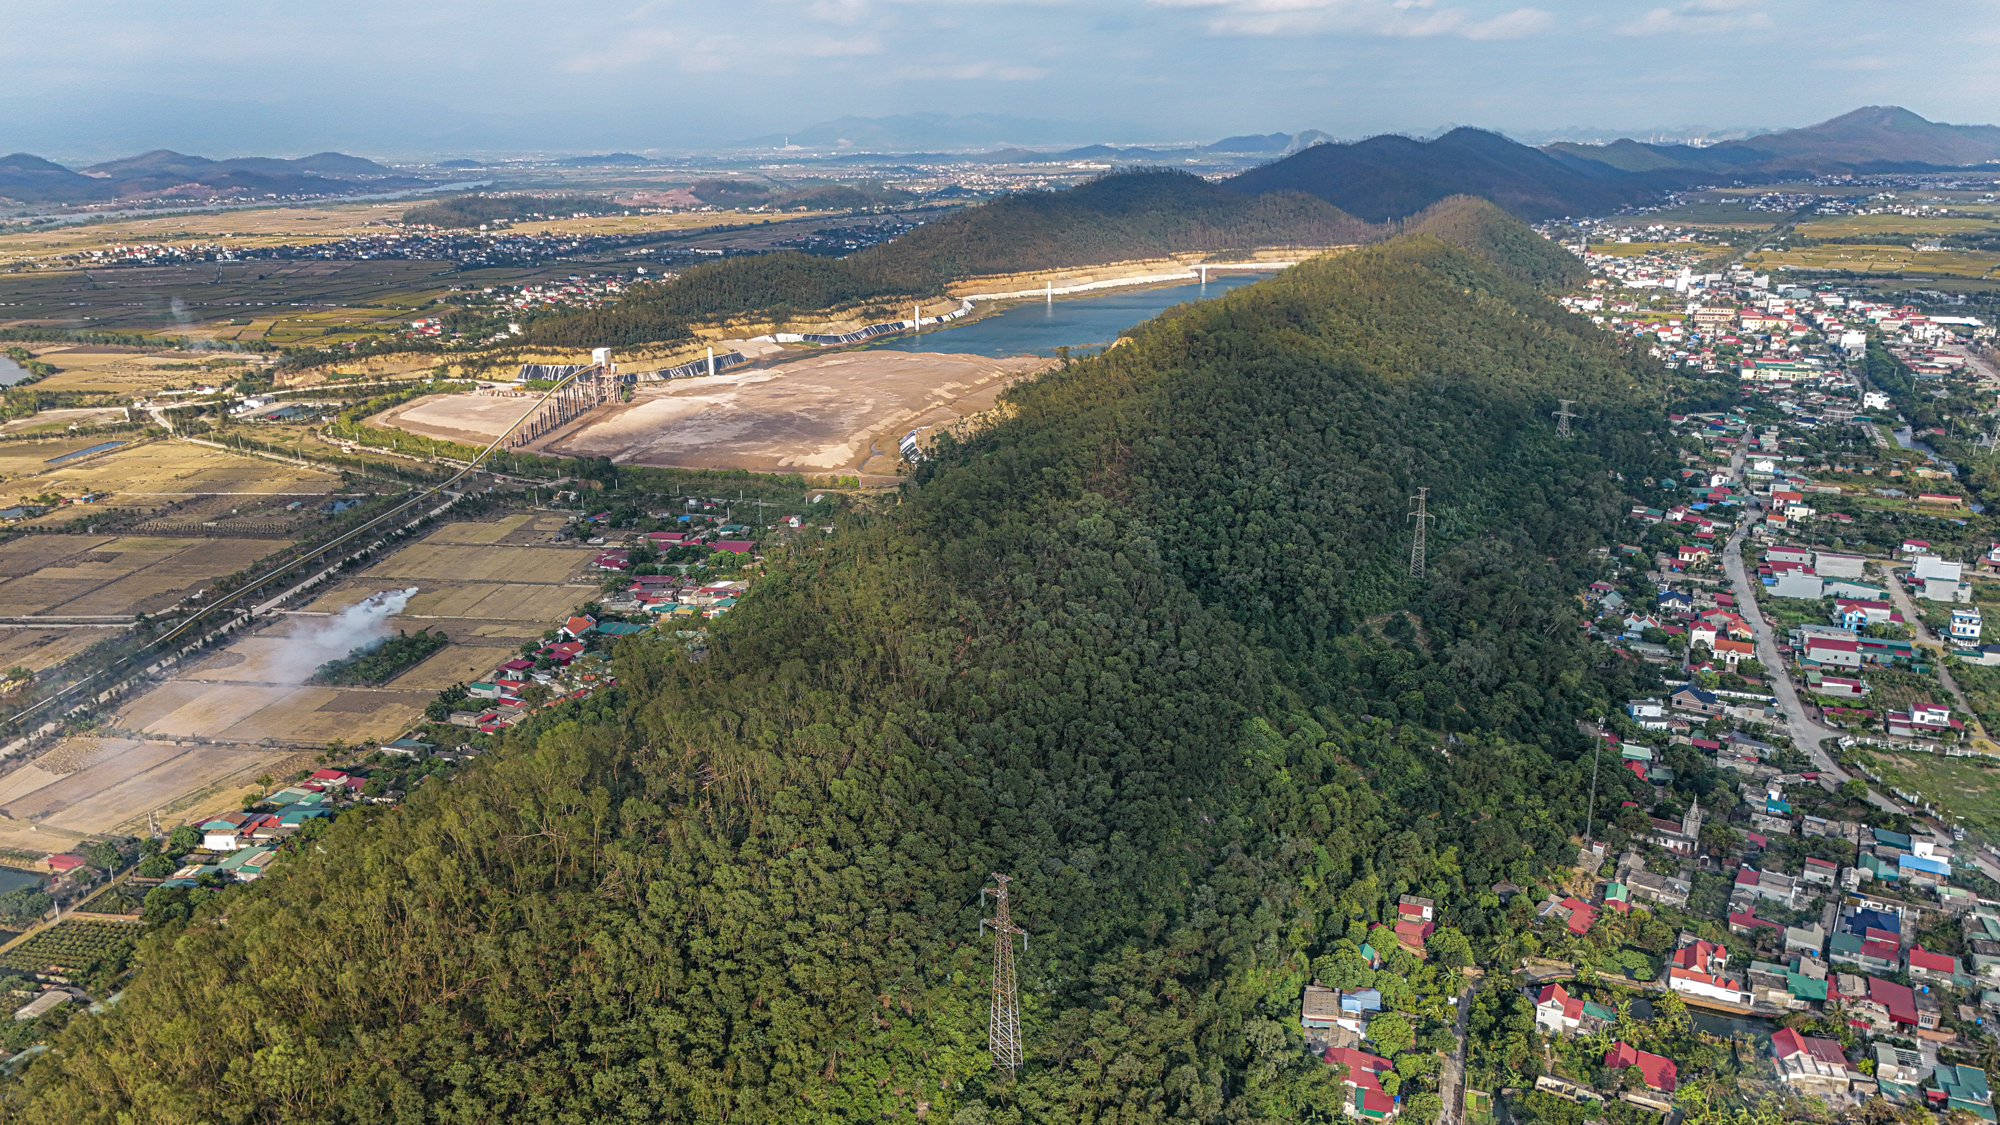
(834, 413)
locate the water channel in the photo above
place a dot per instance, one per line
(1040, 327)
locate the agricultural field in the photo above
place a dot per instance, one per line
(1720, 211)
(70, 944)
(175, 482)
(262, 226)
(107, 576)
(1641, 249)
(487, 585)
(130, 372)
(1853, 226)
(1863, 258)
(87, 786)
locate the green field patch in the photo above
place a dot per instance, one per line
(1960, 787)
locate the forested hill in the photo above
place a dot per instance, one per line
(1117, 217)
(1120, 646)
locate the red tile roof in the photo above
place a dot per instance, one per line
(1921, 958)
(1658, 1070)
(1900, 1000)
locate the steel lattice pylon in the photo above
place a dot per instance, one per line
(1004, 1030)
(1417, 547)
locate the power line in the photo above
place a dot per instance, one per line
(1417, 546)
(1563, 416)
(1004, 1030)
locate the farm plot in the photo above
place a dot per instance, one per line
(105, 576)
(71, 945)
(251, 712)
(109, 784)
(36, 649)
(429, 560)
(148, 475)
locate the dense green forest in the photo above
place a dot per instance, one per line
(383, 662)
(1116, 217)
(1150, 646)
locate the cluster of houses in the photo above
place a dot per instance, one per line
(565, 666)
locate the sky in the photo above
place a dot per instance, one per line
(96, 78)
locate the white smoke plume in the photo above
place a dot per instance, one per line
(364, 626)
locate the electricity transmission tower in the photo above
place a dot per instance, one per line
(1563, 416)
(1417, 547)
(1004, 1031)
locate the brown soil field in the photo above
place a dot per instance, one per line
(36, 649)
(839, 412)
(160, 471)
(465, 563)
(102, 575)
(459, 664)
(105, 785)
(248, 712)
(55, 421)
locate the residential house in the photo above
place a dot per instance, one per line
(1830, 565)
(1900, 1071)
(1940, 581)
(1961, 1087)
(1809, 941)
(1656, 1071)
(1833, 651)
(1965, 624)
(1734, 652)
(1819, 872)
(1818, 1066)
(1922, 720)
(1362, 1077)
(1319, 1010)
(1701, 968)
(1691, 698)
(1559, 1013)
(1925, 965)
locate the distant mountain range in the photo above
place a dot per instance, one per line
(1390, 176)
(164, 174)
(1876, 138)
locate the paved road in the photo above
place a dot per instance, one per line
(1451, 1077)
(1928, 639)
(1806, 734)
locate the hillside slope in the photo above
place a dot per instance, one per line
(1118, 217)
(1872, 137)
(1118, 646)
(1389, 177)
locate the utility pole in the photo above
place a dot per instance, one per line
(1003, 1032)
(1590, 817)
(1563, 416)
(1417, 546)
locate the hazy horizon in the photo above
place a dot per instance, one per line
(668, 76)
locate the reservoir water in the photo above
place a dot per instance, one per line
(14, 879)
(11, 372)
(1040, 327)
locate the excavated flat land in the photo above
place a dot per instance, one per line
(842, 412)
(469, 419)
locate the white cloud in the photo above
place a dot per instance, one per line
(1700, 17)
(975, 71)
(1397, 18)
